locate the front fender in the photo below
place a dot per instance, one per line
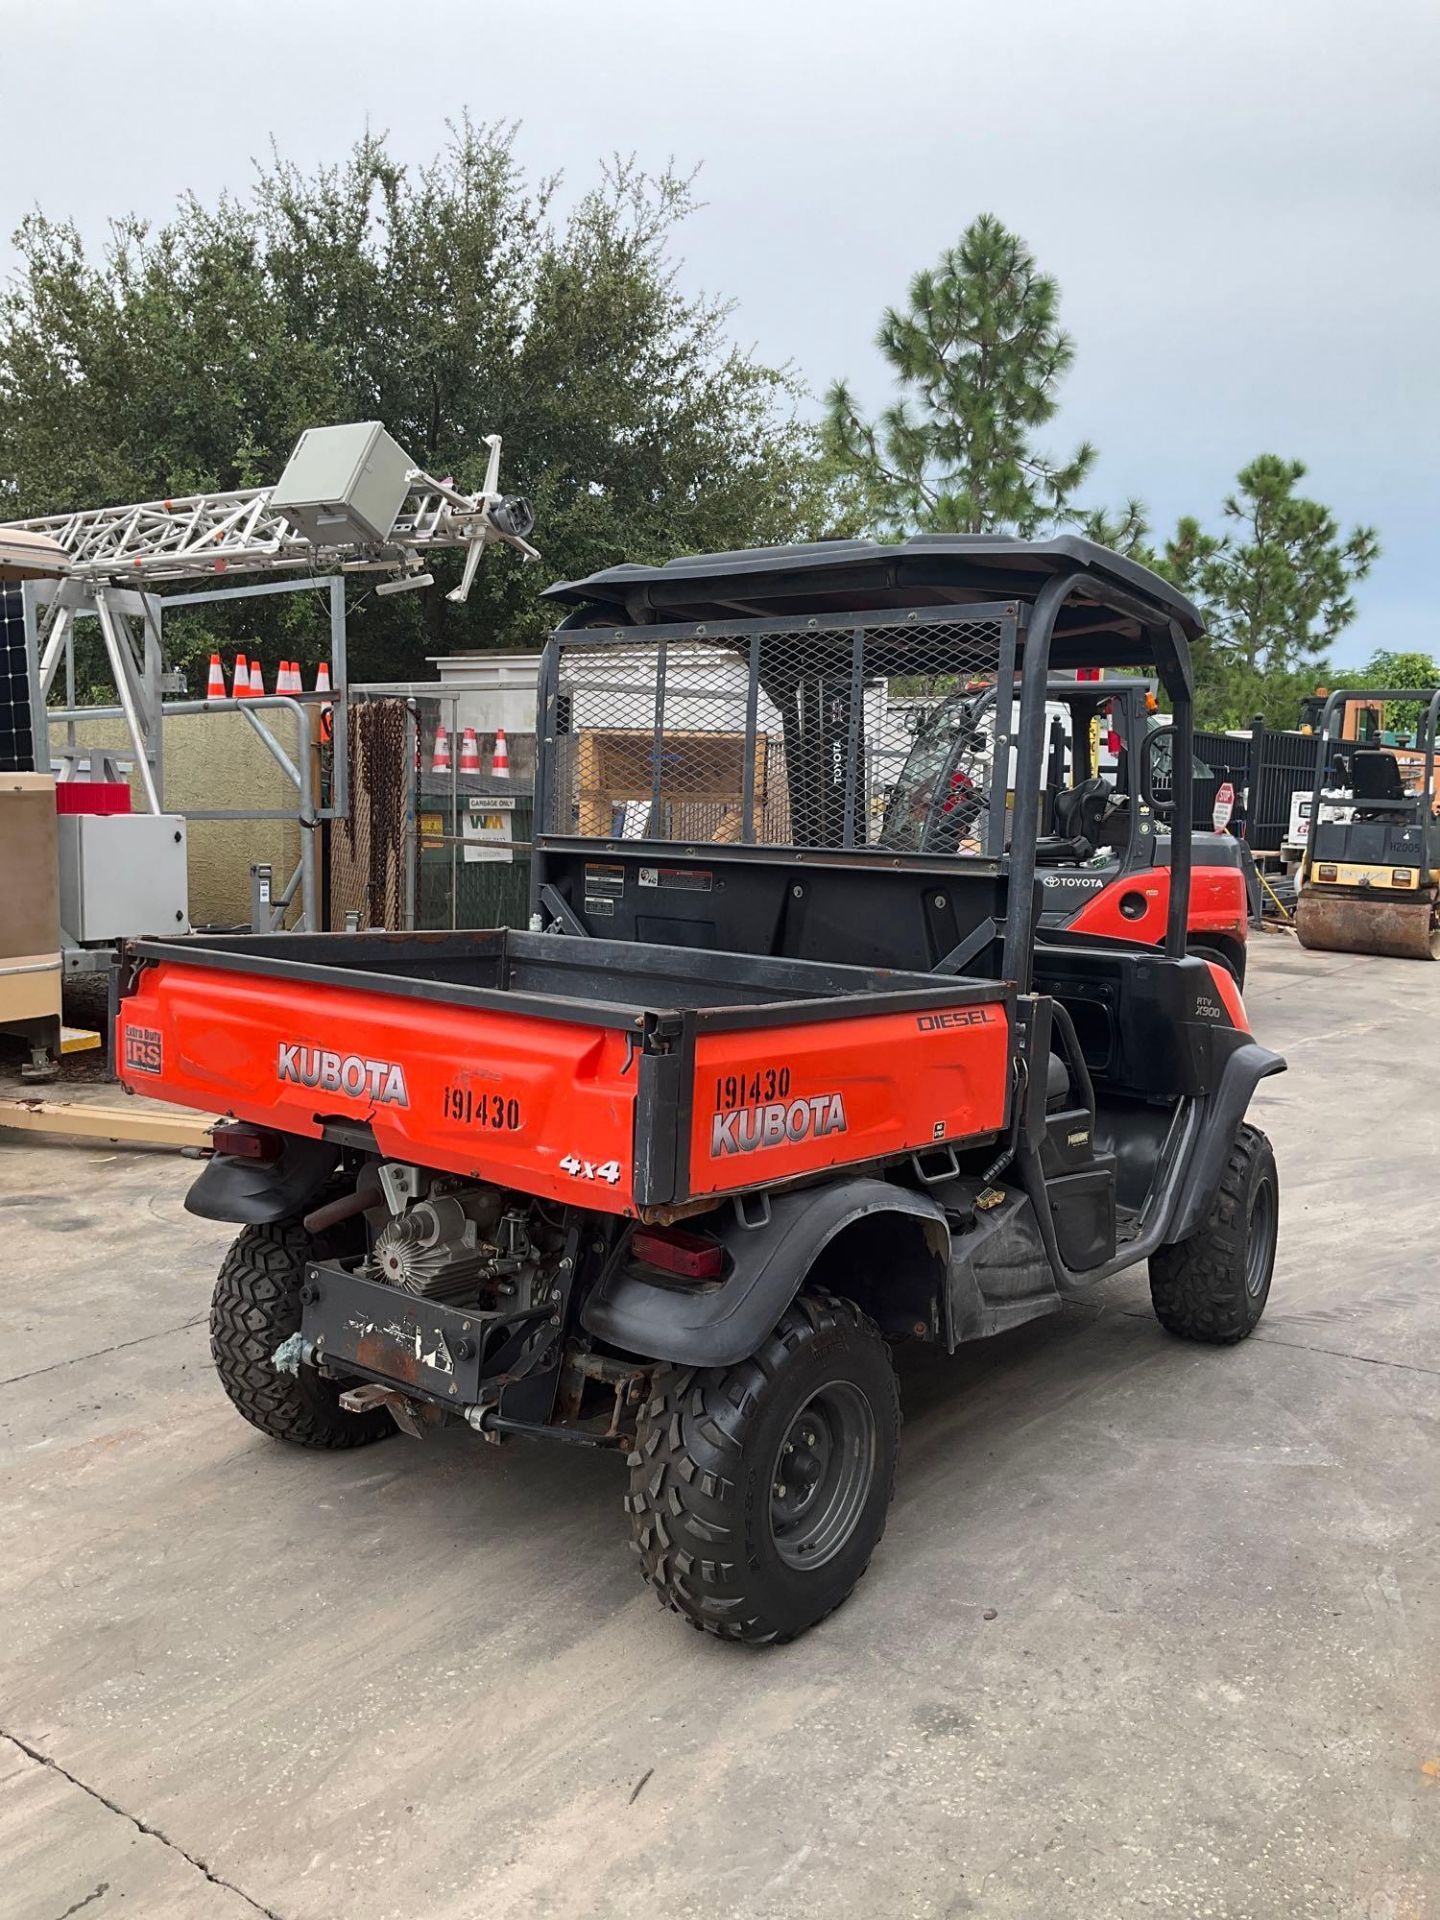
(716, 1326)
(254, 1193)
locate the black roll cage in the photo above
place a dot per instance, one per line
(1174, 669)
(621, 607)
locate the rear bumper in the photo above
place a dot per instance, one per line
(425, 1349)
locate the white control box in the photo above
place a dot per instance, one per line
(344, 484)
(123, 875)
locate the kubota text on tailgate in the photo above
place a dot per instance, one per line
(382, 1081)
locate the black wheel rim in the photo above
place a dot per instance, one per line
(823, 1474)
(1260, 1249)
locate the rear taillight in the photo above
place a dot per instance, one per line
(239, 1142)
(674, 1251)
(1402, 876)
(1326, 872)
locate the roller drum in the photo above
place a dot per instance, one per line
(1355, 922)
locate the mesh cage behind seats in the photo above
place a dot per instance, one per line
(787, 734)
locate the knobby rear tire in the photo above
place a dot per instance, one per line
(709, 1445)
(256, 1306)
(1213, 1287)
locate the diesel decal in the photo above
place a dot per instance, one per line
(378, 1080)
(144, 1050)
(970, 1017)
(744, 1129)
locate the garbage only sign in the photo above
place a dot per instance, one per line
(486, 827)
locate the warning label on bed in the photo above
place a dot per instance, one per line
(686, 879)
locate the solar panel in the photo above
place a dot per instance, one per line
(17, 739)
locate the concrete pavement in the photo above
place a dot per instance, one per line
(237, 1679)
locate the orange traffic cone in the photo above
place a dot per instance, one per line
(440, 760)
(215, 685)
(327, 712)
(469, 752)
(500, 759)
(242, 677)
(257, 681)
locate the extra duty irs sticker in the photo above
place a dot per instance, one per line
(144, 1050)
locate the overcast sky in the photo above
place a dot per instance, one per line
(1239, 200)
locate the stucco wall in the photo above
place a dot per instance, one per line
(216, 760)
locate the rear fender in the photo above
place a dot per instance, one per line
(1221, 1112)
(718, 1325)
(254, 1193)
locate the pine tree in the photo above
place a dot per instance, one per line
(978, 354)
(1274, 590)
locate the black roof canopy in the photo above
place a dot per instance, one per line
(1117, 613)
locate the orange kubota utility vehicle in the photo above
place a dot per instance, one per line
(757, 1097)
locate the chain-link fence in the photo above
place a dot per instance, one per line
(791, 734)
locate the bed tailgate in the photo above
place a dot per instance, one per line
(544, 1105)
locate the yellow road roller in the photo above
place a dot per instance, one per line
(1368, 883)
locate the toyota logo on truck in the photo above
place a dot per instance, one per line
(350, 1073)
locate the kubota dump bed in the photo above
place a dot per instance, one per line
(622, 1078)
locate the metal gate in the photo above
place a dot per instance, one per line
(1266, 769)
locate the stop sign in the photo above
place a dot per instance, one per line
(1224, 806)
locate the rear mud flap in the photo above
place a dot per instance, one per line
(252, 1193)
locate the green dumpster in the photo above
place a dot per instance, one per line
(473, 842)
